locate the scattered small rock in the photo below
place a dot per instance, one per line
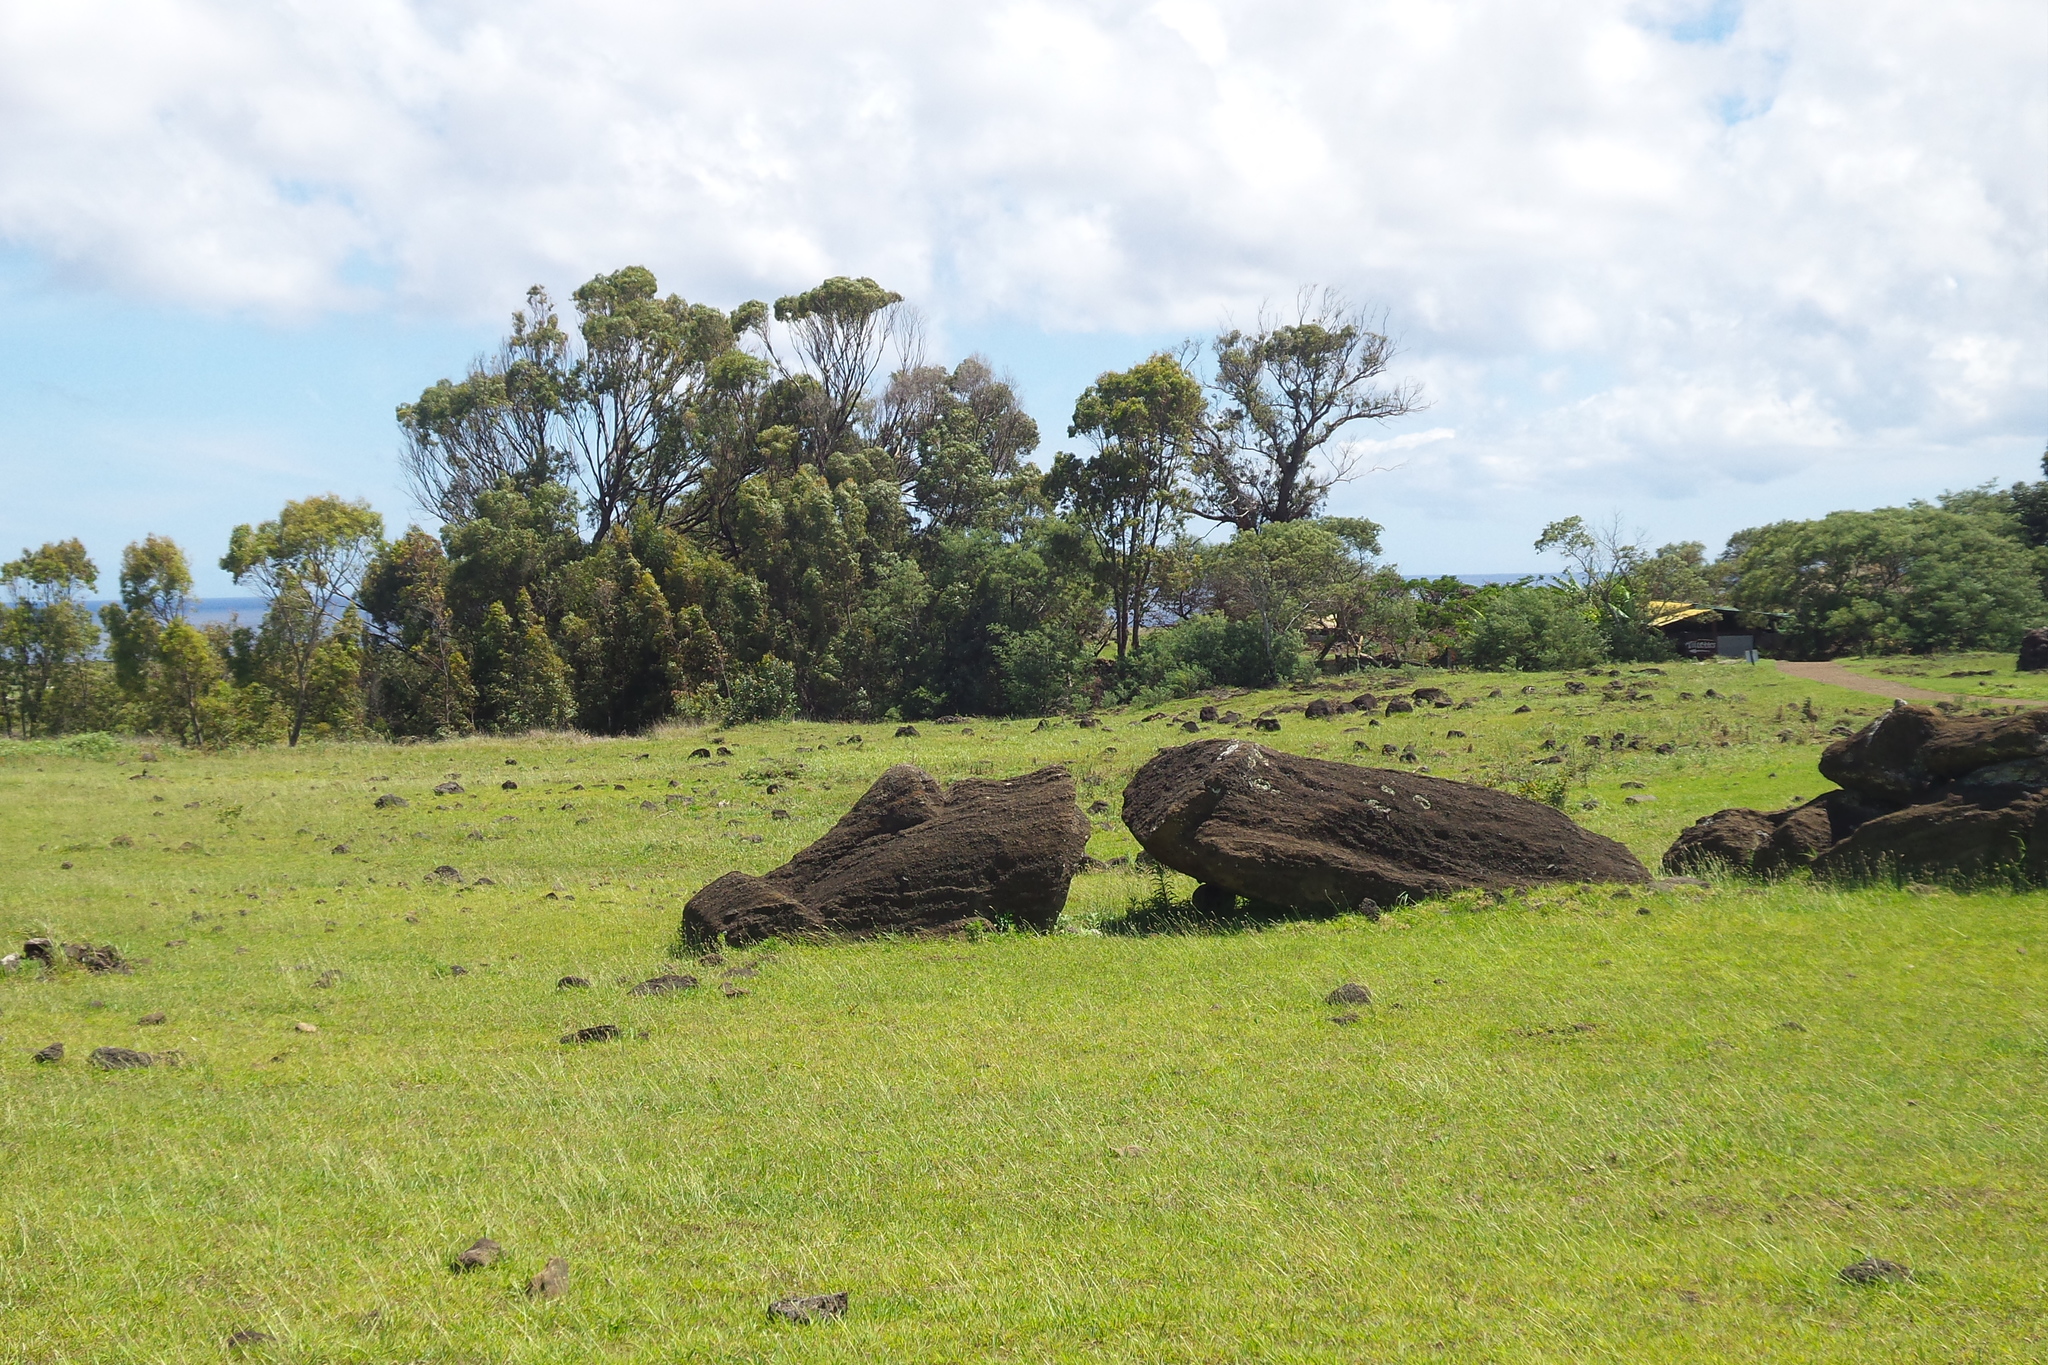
(664, 984)
(808, 1308)
(448, 789)
(480, 1253)
(458, 970)
(552, 1282)
(596, 1033)
(1190, 727)
(1876, 1270)
(445, 873)
(1348, 1017)
(391, 801)
(573, 983)
(153, 1017)
(249, 1336)
(1350, 993)
(120, 1058)
(1793, 1026)
(1268, 724)
(694, 753)
(53, 1053)
(508, 785)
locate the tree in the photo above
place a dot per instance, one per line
(46, 635)
(423, 684)
(1896, 579)
(961, 439)
(1145, 423)
(838, 331)
(499, 425)
(1604, 570)
(636, 411)
(1285, 573)
(156, 585)
(522, 684)
(308, 563)
(1288, 390)
(187, 672)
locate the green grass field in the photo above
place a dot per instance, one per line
(1566, 1130)
(1990, 676)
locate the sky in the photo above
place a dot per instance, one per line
(1692, 264)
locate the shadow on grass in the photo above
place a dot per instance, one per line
(1159, 911)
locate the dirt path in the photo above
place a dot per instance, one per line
(1838, 676)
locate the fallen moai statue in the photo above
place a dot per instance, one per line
(912, 856)
(1921, 795)
(1316, 835)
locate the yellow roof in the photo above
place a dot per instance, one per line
(1671, 613)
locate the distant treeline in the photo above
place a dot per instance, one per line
(676, 512)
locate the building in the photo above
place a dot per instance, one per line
(1700, 631)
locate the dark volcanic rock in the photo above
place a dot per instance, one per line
(1909, 751)
(480, 1253)
(2034, 650)
(664, 984)
(1994, 832)
(552, 1282)
(1313, 834)
(808, 1308)
(53, 1053)
(596, 1033)
(1319, 709)
(41, 950)
(1875, 1270)
(104, 957)
(1768, 843)
(120, 1058)
(912, 856)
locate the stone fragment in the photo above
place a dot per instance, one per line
(1350, 993)
(552, 1282)
(1321, 836)
(808, 1308)
(391, 801)
(596, 1033)
(1876, 1270)
(480, 1253)
(120, 1058)
(911, 856)
(665, 984)
(573, 983)
(53, 1053)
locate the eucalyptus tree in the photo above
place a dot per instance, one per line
(1287, 392)
(1146, 424)
(46, 635)
(839, 331)
(156, 584)
(309, 564)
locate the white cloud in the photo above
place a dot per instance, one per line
(1694, 245)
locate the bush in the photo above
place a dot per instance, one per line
(762, 691)
(1039, 670)
(1532, 628)
(1208, 650)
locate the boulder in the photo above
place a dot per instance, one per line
(912, 856)
(1910, 751)
(1319, 709)
(1318, 835)
(1968, 835)
(1922, 795)
(1768, 843)
(1432, 696)
(1397, 705)
(2034, 650)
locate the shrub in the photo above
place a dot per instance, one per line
(762, 691)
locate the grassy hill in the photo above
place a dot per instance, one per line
(1566, 1129)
